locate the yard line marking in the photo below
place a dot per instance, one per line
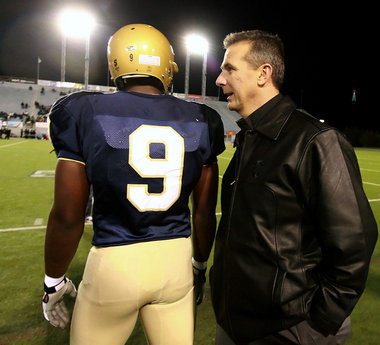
(20, 142)
(38, 221)
(43, 173)
(372, 184)
(44, 226)
(369, 160)
(373, 170)
(25, 228)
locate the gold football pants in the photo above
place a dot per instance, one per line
(150, 279)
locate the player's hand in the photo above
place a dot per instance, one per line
(199, 270)
(199, 285)
(54, 308)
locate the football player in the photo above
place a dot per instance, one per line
(143, 152)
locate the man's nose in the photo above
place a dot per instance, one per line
(220, 81)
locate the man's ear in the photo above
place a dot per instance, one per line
(265, 75)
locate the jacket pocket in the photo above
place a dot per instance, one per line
(291, 296)
(278, 287)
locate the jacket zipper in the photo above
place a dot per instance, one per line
(234, 184)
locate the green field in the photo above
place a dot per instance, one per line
(25, 202)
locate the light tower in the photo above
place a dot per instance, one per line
(76, 23)
(196, 44)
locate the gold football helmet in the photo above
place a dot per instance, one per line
(140, 50)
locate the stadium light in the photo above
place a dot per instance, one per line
(76, 23)
(196, 44)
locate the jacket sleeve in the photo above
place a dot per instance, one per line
(344, 225)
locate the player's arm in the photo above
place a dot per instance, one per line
(64, 230)
(203, 213)
(66, 219)
(204, 224)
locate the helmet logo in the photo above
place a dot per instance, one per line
(130, 48)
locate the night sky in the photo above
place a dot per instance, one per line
(326, 45)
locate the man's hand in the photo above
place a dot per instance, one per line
(54, 308)
(199, 270)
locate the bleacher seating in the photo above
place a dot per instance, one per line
(229, 118)
(13, 94)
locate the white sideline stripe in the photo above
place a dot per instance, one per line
(25, 228)
(44, 226)
(373, 170)
(20, 142)
(372, 184)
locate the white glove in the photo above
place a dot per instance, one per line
(54, 308)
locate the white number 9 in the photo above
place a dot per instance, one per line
(169, 168)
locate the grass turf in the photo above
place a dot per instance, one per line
(25, 202)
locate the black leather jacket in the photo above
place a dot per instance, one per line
(297, 231)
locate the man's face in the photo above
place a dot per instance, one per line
(238, 79)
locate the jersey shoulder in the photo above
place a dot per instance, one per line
(210, 115)
(72, 97)
(215, 128)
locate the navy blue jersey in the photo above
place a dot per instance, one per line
(143, 156)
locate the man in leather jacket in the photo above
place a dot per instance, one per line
(296, 236)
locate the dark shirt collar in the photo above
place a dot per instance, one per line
(270, 118)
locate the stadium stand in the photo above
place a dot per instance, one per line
(34, 101)
(229, 118)
(13, 95)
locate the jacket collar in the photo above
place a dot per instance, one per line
(270, 118)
